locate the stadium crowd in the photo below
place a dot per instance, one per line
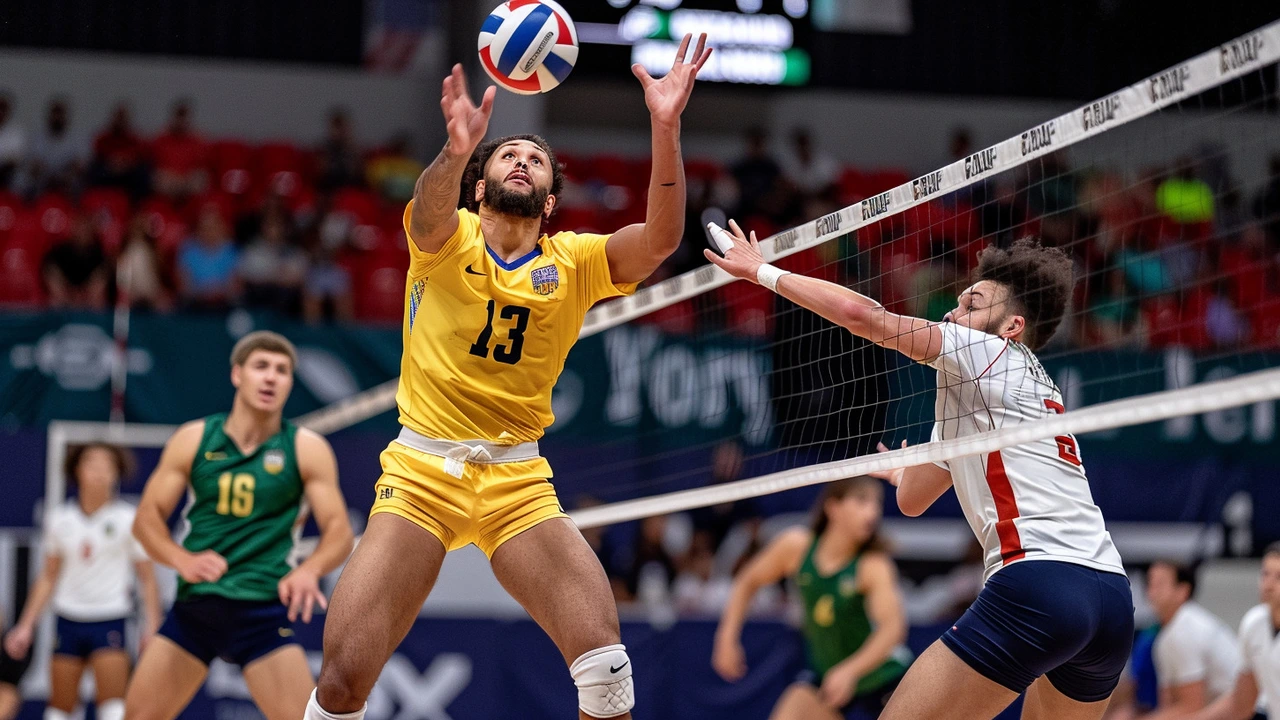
(1178, 255)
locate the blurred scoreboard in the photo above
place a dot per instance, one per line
(757, 42)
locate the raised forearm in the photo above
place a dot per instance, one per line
(38, 599)
(435, 196)
(664, 213)
(735, 609)
(879, 645)
(833, 302)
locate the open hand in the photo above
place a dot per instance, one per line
(17, 643)
(465, 122)
(300, 591)
(729, 660)
(667, 96)
(743, 259)
(838, 686)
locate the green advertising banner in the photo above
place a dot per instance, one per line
(631, 381)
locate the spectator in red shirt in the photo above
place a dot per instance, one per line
(180, 155)
(120, 156)
(76, 271)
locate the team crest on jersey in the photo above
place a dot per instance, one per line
(415, 298)
(273, 461)
(848, 586)
(545, 279)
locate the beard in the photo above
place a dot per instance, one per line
(506, 201)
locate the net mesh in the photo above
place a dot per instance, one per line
(1166, 196)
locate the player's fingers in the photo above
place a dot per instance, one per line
(321, 601)
(702, 60)
(641, 74)
(755, 242)
(307, 605)
(293, 607)
(737, 230)
(714, 258)
(684, 48)
(698, 49)
(904, 443)
(282, 590)
(881, 447)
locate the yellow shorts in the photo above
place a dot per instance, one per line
(490, 504)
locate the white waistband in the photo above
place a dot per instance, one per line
(476, 451)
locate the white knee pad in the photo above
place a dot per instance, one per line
(603, 677)
(112, 709)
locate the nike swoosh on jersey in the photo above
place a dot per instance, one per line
(469, 271)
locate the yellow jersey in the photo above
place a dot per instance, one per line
(485, 340)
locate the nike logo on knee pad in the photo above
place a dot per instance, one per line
(616, 669)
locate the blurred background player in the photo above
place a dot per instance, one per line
(854, 623)
(1259, 676)
(1056, 560)
(488, 272)
(11, 671)
(1196, 655)
(249, 474)
(90, 563)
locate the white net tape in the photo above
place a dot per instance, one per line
(1228, 61)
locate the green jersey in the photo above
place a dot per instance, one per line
(836, 622)
(246, 508)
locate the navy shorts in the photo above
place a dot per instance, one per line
(237, 631)
(869, 705)
(12, 669)
(1068, 622)
(82, 639)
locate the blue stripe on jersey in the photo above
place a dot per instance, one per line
(557, 66)
(519, 41)
(514, 263)
(491, 24)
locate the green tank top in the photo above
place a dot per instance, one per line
(836, 622)
(246, 508)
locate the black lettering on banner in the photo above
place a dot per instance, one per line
(1168, 84)
(1101, 112)
(1039, 137)
(785, 241)
(1239, 53)
(873, 207)
(927, 185)
(704, 275)
(615, 308)
(828, 224)
(672, 287)
(644, 298)
(979, 162)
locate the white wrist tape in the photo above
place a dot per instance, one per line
(769, 276)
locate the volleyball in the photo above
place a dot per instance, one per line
(528, 46)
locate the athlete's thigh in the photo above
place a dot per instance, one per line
(166, 679)
(377, 598)
(110, 673)
(1045, 702)
(940, 686)
(801, 701)
(552, 572)
(10, 701)
(65, 672)
(280, 683)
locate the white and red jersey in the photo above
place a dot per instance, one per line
(98, 553)
(1025, 502)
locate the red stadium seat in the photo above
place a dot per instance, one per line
(10, 207)
(282, 168)
(53, 214)
(233, 168)
(379, 289)
(109, 209)
(19, 277)
(164, 223)
(361, 205)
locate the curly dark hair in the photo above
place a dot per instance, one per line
(1039, 282)
(122, 457)
(480, 161)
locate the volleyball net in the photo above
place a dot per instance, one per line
(1165, 194)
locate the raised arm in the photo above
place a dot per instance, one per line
(434, 216)
(164, 490)
(636, 251)
(300, 589)
(781, 558)
(918, 339)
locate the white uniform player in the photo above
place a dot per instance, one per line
(1196, 646)
(98, 554)
(1258, 684)
(1028, 501)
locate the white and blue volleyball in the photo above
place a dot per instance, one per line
(528, 46)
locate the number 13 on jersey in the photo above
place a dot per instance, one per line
(510, 353)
